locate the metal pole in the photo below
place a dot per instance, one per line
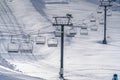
(62, 52)
(105, 17)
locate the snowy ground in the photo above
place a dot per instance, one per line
(86, 58)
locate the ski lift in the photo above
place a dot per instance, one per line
(14, 38)
(13, 48)
(71, 32)
(93, 19)
(109, 12)
(101, 21)
(40, 40)
(94, 28)
(57, 33)
(84, 30)
(83, 26)
(52, 42)
(26, 47)
(99, 10)
(26, 38)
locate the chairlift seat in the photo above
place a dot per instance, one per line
(99, 10)
(84, 31)
(26, 47)
(26, 38)
(15, 38)
(40, 40)
(83, 27)
(92, 20)
(52, 42)
(109, 13)
(57, 33)
(71, 33)
(94, 28)
(101, 21)
(13, 48)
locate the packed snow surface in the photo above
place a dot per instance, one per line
(85, 57)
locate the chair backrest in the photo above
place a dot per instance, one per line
(13, 47)
(26, 47)
(52, 42)
(40, 39)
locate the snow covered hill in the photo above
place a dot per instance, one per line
(86, 58)
(7, 74)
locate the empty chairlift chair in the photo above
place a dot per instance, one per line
(84, 30)
(52, 42)
(93, 19)
(94, 27)
(15, 38)
(101, 21)
(26, 47)
(13, 47)
(58, 28)
(57, 33)
(109, 12)
(40, 40)
(26, 38)
(71, 32)
(100, 10)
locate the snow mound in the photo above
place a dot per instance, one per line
(5, 63)
(4, 77)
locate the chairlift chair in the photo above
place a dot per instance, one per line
(26, 38)
(101, 21)
(13, 47)
(71, 33)
(52, 42)
(83, 26)
(57, 33)
(99, 10)
(14, 38)
(84, 30)
(94, 28)
(109, 12)
(26, 47)
(40, 40)
(93, 19)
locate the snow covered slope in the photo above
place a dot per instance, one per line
(86, 58)
(7, 74)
